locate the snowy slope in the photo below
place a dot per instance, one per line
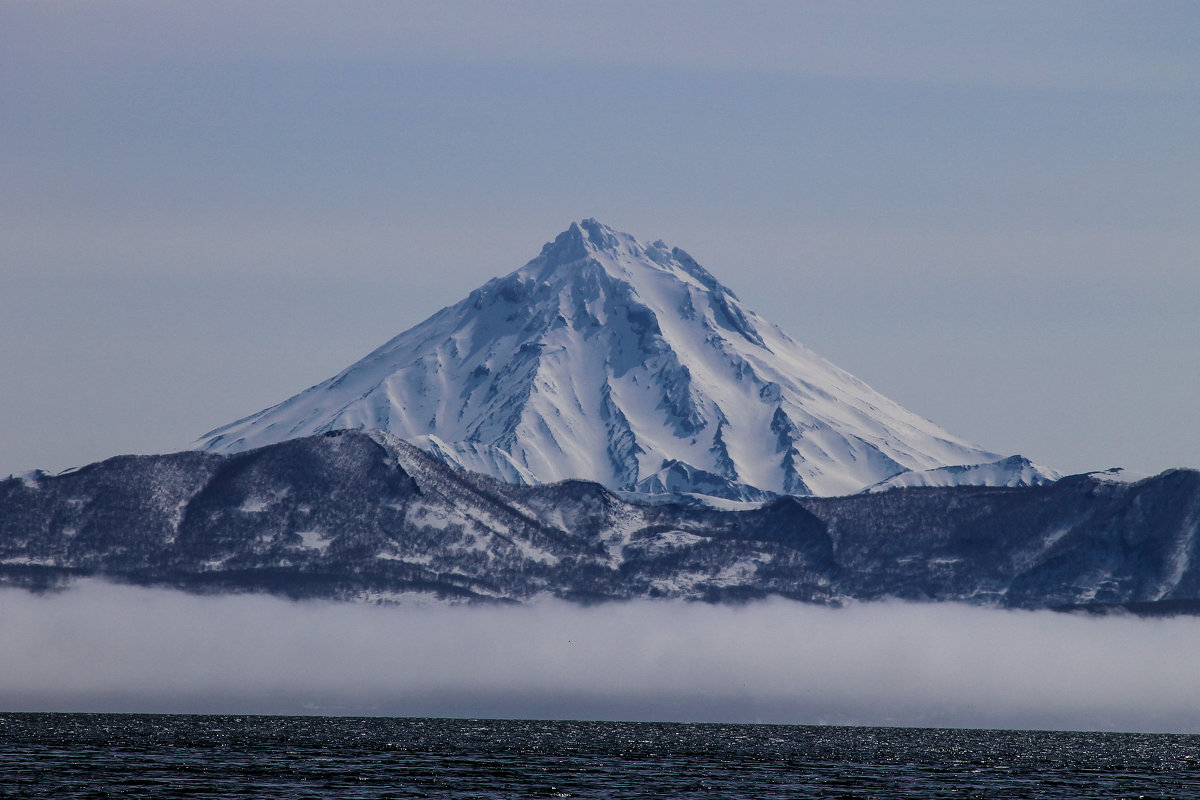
(625, 363)
(1012, 472)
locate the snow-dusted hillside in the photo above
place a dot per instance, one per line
(362, 515)
(1012, 471)
(625, 363)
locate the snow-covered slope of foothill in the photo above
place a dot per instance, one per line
(1012, 471)
(1117, 475)
(629, 364)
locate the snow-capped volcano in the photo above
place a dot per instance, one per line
(625, 363)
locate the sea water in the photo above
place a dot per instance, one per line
(160, 756)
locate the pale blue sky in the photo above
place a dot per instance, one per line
(986, 211)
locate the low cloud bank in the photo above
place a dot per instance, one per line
(108, 648)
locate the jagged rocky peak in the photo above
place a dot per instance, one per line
(593, 244)
(582, 238)
(626, 363)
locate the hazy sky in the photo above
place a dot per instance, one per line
(986, 211)
(104, 648)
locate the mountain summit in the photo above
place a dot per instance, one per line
(629, 364)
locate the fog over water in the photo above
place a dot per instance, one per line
(108, 648)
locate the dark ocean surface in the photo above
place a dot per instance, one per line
(111, 755)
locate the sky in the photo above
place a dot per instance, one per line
(107, 648)
(986, 211)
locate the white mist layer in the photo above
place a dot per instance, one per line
(108, 648)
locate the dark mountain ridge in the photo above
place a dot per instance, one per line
(361, 515)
